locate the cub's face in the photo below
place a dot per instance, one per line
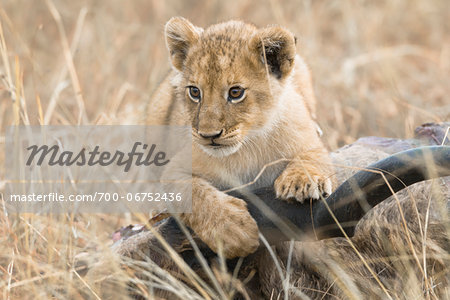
(230, 77)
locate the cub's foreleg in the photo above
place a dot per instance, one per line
(220, 219)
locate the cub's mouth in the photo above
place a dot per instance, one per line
(215, 145)
(218, 147)
(218, 144)
(220, 150)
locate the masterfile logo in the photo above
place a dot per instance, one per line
(98, 168)
(53, 156)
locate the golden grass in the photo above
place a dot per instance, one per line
(380, 68)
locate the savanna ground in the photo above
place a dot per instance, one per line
(380, 68)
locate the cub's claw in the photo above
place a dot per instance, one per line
(294, 183)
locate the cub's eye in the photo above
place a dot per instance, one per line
(236, 94)
(194, 93)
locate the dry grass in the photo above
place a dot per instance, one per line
(380, 68)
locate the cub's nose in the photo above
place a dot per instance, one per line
(211, 134)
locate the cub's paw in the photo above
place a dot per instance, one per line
(231, 229)
(295, 183)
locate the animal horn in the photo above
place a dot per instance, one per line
(279, 220)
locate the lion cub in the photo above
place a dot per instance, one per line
(249, 100)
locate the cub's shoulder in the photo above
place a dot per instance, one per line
(163, 109)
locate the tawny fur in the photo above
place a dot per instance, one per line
(274, 121)
(332, 269)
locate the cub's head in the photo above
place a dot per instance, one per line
(231, 77)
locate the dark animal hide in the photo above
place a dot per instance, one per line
(400, 249)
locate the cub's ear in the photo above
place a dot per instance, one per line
(275, 46)
(180, 35)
